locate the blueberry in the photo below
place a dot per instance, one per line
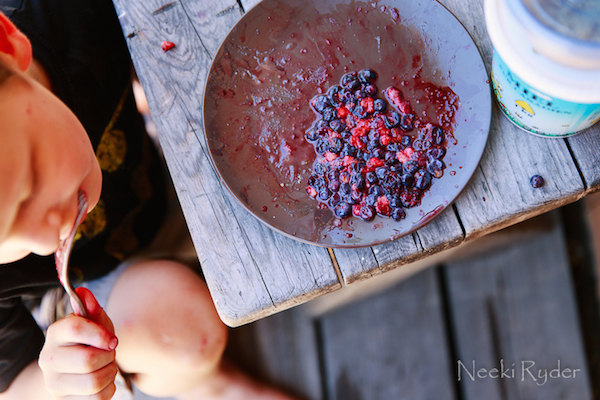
(407, 122)
(358, 182)
(536, 181)
(321, 126)
(324, 194)
(322, 146)
(435, 153)
(311, 134)
(382, 172)
(390, 158)
(398, 213)
(320, 169)
(377, 153)
(346, 135)
(333, 94)
(320, 183)
(371, 200)
(320, 103)
(407, 180)
(360, 112)
(342, 210)
(394, 201)
(367, 76)
(333, 174)
(376, 190)
(371, 177)
(329, 114)
(359, 94)
(397, 168)
(350, 81)
(367, 213)
(417, 144)
(405, 141)
(337, 125)
(370, 90)
(345, 189)
(379, 105)
(434, 167)
(437, 135)
(345, 95)
(348, 150)
(392, 119)
(334, 185)
(411, 166)
(356, 196)
(337, 145)
(373, 135)
(334, 200)
(422, 179)
(393, 147)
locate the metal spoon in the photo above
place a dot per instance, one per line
(61, 257)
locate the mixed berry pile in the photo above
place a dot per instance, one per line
(374, 155)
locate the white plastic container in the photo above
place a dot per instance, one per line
(546, 65)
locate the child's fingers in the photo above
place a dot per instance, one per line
(78, 330)
(82, 384)
(95, 311)
(76, 359)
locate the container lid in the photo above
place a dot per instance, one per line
(555, 76)
(567, 31)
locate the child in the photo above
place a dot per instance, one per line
(67, 124)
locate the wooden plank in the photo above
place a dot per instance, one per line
(499, 193)
(391, 346)
(248, 4)
(250, 271)
(281, 350)
(585, 148)
(516, 306)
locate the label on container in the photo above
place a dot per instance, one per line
(534, 111)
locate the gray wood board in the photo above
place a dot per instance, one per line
(390, 346)
(517, 305)
(359, 264)
(585, 148)
(281, 350)
(499, 194)
(250, 270)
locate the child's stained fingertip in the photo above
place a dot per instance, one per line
(113, 343)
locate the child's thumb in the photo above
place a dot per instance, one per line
(94, 310)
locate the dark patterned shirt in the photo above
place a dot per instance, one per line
(81, 46)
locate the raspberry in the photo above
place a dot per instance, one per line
(166, 45)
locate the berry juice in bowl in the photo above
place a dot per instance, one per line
(262, 116)
(546, 63)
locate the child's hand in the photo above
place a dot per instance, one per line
(78, 358)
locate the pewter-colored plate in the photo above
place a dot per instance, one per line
(283, 52)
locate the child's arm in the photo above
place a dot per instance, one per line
(78, 358)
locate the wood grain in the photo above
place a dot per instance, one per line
(390, 346)
(253, 272)
(499, 194)
(250, 270)
(517, 305)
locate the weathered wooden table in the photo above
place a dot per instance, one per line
(252, 271)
